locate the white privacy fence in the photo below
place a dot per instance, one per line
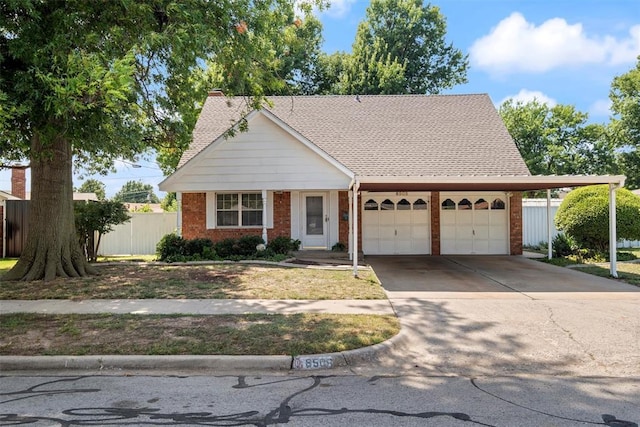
(534, 223)
(140, 235)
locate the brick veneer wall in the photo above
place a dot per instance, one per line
(194, 225)
(435, 223)
(343, 212)
(515, 224)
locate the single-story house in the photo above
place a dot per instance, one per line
(381, 174)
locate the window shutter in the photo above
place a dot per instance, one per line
(211, 210)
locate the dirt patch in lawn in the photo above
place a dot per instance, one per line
(218, 281)
(262, 334)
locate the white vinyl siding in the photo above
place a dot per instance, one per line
(265, 156)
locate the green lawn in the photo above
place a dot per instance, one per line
(627, 272)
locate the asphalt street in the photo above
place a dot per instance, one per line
(317, 400)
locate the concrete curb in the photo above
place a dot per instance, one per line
(369, 354)
(21, 363)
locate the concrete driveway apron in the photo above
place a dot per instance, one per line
(489, 315)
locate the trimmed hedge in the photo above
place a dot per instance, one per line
(584, 216)
(173, 248)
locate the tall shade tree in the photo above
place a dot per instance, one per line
(294, 47)
(557, 140)
(93, 186)
(95, 81)
(625, 105)
(136, 192)
(400, 48)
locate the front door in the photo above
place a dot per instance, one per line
(315, 221)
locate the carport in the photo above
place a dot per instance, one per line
(478, 184)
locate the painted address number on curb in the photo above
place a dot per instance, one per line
(313, 362)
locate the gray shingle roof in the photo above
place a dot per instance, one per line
(386, 135)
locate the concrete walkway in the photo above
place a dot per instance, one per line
(196, 306)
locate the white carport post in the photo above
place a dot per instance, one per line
(613, 239)
(350, 224)
(549, 226)
(356, 186)
(264, 216)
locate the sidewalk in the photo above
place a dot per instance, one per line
(196, 306)
(202, 307)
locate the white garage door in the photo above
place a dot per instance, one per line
(396, 224)
(474, 223)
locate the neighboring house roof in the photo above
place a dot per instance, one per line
(385, 135)
(76, 196)
(7, 196)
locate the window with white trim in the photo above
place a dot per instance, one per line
(239, 209)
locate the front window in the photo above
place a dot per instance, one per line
(231, 213)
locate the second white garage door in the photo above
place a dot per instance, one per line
(474, 223)
(396, 224)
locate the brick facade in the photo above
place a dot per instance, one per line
(343, 212)
(515, 224)
(435, 223)
(194, 219)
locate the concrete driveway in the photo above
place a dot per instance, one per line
(489, 315)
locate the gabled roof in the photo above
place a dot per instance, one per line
(385, 135)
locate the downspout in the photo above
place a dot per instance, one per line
(264, 216)
(179, 216)
(356, 187)
(549, 240)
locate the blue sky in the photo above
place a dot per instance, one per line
(559, 51)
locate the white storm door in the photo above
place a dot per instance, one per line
(315, 221)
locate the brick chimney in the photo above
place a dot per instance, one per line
(19, 181)
(216, 92)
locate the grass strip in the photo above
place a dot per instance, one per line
(219, 281)
(27, 334)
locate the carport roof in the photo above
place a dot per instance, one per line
(484, 183)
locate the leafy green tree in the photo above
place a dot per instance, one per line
(97, 217)
(400, 47)
(294, 47)
(93, 186)
(584, 216)
(97, 81)
(558, 140)
(169, 202)
(136, 192)
(625, 98)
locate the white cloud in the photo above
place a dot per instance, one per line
(525, 96)
(601, 107)
(516, 45)
(338, 8)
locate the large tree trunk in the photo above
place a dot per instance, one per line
(52, 249)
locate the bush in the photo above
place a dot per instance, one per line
(197, 246)
(225, 247)
(584, 215)
(339, 247)
(246, 245)
(563, 246)
(170, 247)
(283, 245)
